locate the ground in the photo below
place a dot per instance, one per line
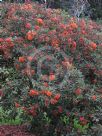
(11, 130)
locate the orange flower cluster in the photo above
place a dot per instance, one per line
(40, 22)
(55, 42)
(52, 77)
(73, 25)
(26, 7)
(30, 35)
(93, 45)
(47, 93)
(21, 59)
(33, 93)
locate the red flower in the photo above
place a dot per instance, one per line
(52, 77)
(74, 44)
(81, 118)
(21, 59)
(60, 110)
(53, 101)
(48, 93)
(57, 97)
(78, 91)
(28, 25)
(33, 112)
(17, 105)
(81, 40)
(83, 121)
(69, 41)
(94, 97)
(37, 27)
(83, 32)
(1, 39)
(9, 39)
(33, 93)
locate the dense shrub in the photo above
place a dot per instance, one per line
(55, 69)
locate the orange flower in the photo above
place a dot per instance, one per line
(30, 6)
(21, 59)
(48, 93)
(73, 25)
(40, 21)
(65, 33)
(52, 77)
(33, 93)
(57, 96)
(55, 42)
(93, 45)
(78, 91)
(30, 35)
(94, 97)
(34, 33)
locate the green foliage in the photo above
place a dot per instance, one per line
(5, 118)
(78, 126)
(65, 119)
